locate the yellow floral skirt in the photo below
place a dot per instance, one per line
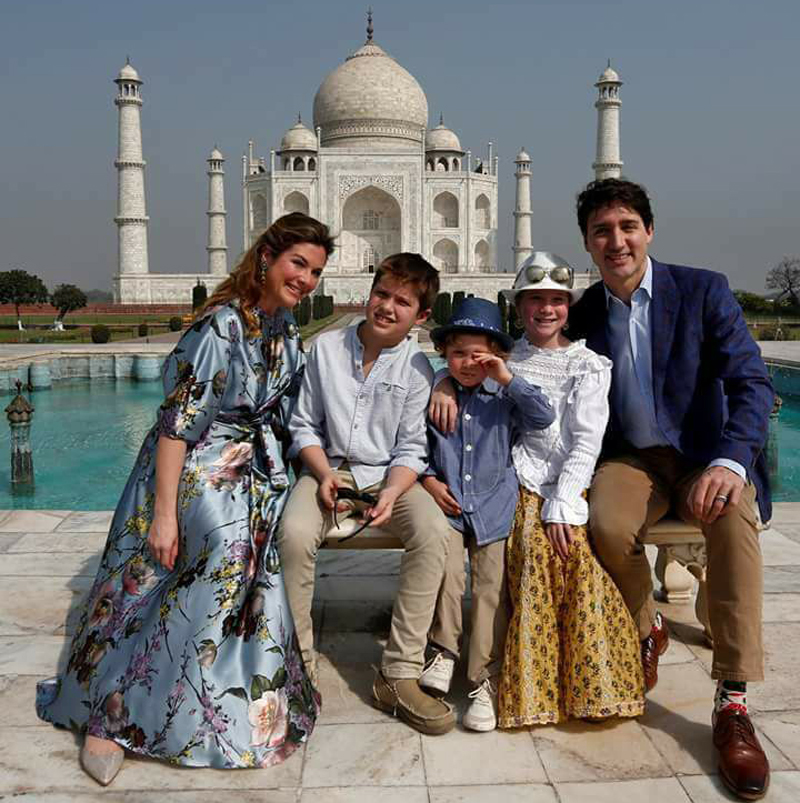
(572, 649)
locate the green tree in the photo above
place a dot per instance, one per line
(785, 276)
(19, 287)
(753, 303)
(199, 295)
(67, 298)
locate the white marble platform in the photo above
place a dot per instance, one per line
(360, 755)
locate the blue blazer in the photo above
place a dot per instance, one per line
(713, 395)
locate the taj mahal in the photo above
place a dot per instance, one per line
(369, 167)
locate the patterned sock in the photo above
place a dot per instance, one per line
(730, 694)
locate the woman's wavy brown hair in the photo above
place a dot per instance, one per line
(244, 281)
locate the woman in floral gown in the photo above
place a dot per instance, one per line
(185, 650)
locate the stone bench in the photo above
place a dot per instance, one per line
(681, 560)
(681, 557)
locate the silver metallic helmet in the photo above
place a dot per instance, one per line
(544, 270)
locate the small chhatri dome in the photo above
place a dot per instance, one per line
(127, 73)
(299, 138)
(370, 100)
(609, 74)
(442, 138)
(216, 156)
(522, 156)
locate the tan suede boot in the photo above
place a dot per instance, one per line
(403, 698)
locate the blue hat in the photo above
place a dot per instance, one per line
(475, 316)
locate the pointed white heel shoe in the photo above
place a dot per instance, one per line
(103, 767)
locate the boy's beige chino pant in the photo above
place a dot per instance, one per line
(421, 526)
(488, 609)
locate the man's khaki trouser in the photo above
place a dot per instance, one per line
(633, 491)
(416, 520)
(489, 614)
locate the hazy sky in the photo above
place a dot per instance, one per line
(710, 114)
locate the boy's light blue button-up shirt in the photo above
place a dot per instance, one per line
(475, 460)
(374, 422)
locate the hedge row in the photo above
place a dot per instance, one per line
(444, 306)
(318, 307)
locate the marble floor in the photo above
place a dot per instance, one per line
(47, 561)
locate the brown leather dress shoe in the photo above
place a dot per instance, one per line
(652, 647)
(743, 767)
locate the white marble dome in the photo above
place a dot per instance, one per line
(299, 138)
(609, 74)
(127, 73)
(442, 138)
(370, 100)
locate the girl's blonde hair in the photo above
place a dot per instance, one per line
(244, 281)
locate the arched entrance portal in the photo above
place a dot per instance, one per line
(295, 202)
(371, 221)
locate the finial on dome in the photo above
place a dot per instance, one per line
(441, 119)
(299, 119)
(370, 29)
(609, 63)
(127, 61)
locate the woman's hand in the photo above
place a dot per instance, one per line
(163, 540)
(494, 366)
(443, 408)
(442, 496)
(560, 537)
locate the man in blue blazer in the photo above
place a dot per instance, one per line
(690, 402)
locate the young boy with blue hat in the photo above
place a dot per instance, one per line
(472, 479)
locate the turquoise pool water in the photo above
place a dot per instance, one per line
(86, 435)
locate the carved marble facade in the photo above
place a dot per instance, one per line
(379, 203)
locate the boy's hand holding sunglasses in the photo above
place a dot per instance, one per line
(328, 490)
(356, 496)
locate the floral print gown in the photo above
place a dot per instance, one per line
(199, 666)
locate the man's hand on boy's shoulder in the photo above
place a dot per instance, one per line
(442, 496)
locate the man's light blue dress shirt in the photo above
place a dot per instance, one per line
(630, 340)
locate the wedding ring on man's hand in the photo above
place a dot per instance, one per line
(722, 498)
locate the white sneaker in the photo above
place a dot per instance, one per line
(481, 715)
(438, 673)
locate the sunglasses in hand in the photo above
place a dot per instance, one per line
(356, 496)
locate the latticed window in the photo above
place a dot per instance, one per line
(371, 220)
(368, 259)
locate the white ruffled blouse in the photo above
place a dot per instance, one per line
(558, 462)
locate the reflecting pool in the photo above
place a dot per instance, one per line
(84, 438)
(86, 435)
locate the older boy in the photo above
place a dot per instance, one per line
(359, 423)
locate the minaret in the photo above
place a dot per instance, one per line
(217, 249)
(131, 216)
(608, 164)
(523, 246)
